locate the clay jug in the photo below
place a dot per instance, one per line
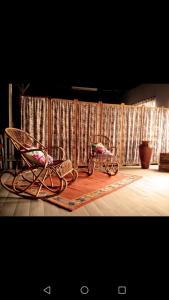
(145, 153)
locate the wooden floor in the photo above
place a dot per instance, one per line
(148, 196)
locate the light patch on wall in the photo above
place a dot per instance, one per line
(147, 102)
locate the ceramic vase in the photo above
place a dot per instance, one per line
(145, 152)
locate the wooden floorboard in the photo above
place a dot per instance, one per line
(22, 208)
(36, 208)
(148, 196)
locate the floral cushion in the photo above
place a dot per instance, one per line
(37, 156)
(100, 149)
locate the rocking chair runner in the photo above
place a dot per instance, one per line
(102, 155)
(41, 176)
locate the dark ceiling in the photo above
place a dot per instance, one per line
(54, 73)
(106, 89)
(88, 89)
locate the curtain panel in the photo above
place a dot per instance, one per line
(165, 131)
(152, 129)
(34, 117)
(111, 125)
(71, 123)
(63, 128)
(87, 125)
(131, 134)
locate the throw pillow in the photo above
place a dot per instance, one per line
(37, 156)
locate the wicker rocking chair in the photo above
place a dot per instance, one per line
(40, 175)
(102, 155)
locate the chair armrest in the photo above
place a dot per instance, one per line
(61, 152)
(113, 147)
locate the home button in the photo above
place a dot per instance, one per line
(84, 290)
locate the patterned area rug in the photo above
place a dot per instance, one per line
(89, 188)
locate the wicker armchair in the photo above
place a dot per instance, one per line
(40, 175)
(102, 155)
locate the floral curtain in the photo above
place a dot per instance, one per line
(111, 124)
(152, 130)
(165, 131)
(63, 128)
(34, 117)
(87, 125)
(144, 123)
(131, 134)
(71, 123)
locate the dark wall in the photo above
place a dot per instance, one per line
(144, 91)
(54, 89)
(3, 106)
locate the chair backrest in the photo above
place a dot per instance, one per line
(1, 152)
(95, 139)
(27, 145)
(22, 139)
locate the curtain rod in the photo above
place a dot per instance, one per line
(82, 88)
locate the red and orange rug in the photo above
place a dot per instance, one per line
(89, 188)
